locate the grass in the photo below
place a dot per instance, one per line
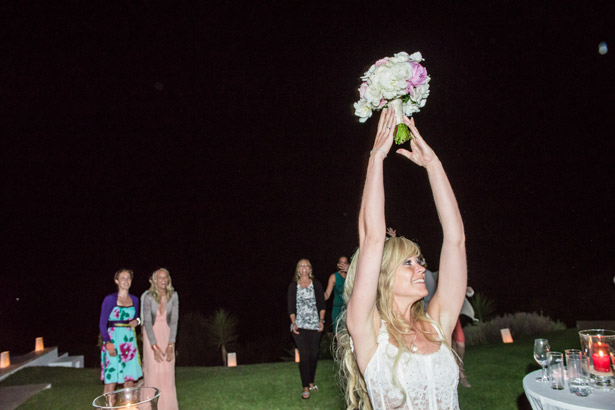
(258, 386)
(495, 371)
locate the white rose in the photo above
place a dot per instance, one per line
(373, 95)
(389, 86)
(390, 94)
(402, 71)
(410, 108)
(416, 56)
(400, 85)
(362, 110)
(383, 77)
(369, 72)
(421, 92)
(400, 57)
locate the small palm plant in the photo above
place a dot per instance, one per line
(483, 306)
(192, 335)
(222, 329)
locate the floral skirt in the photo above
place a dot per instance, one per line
(126, 364)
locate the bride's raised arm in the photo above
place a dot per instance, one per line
(372, 234)
(448, 299)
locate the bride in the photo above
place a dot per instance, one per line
(394, 353)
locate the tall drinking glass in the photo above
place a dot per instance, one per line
(571, 353)
(556, 370)
(578, 374)
(542, 355)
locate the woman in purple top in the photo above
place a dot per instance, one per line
(119, 356)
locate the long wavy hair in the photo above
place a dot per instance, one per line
(153, 290)
(396, 251)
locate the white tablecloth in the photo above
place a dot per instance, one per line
(542, 397)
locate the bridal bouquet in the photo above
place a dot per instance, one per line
(400, 82)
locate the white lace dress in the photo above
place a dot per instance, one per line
(429, 380)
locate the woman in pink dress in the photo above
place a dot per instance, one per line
(160, 314)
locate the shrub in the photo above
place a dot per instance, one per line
(221, 327)
(266, 348)
(483, 306)
(520, 324)
(324, 350)
(191, 341)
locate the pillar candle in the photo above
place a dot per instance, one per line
(602, 362)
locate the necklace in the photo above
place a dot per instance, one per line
(413, 347)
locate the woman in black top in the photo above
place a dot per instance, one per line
(306, 307)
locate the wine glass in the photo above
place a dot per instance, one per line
(542, 355)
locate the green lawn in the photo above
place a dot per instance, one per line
(495, 371)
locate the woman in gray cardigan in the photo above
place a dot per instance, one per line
(160, 315)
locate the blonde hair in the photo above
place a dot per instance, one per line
(297, 275)
(153, 289)
(396, 251)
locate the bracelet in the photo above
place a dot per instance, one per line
(376, 150)
(138, 321)
(171, 344)
(154, 347)
(322, 320)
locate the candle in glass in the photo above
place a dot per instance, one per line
(600, 357)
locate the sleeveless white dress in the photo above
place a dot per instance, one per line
(429, 380)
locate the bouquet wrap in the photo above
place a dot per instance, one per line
(402, 134)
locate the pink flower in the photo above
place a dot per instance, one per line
(128, 378)
(382, 61)
(127, 352)
(104, 366)
(363, 89)
(419, 75)
(116, 313)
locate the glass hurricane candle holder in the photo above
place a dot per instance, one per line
(599, 346)
(133, 398)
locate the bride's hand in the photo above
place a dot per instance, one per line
(421, 153)
(384, 136)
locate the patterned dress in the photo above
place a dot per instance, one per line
(126, 365)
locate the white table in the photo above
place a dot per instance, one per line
(542, 397)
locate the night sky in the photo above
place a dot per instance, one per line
(220, 142)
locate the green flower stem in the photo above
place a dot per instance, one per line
(403, 134)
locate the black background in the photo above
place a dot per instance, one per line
(220, 142)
